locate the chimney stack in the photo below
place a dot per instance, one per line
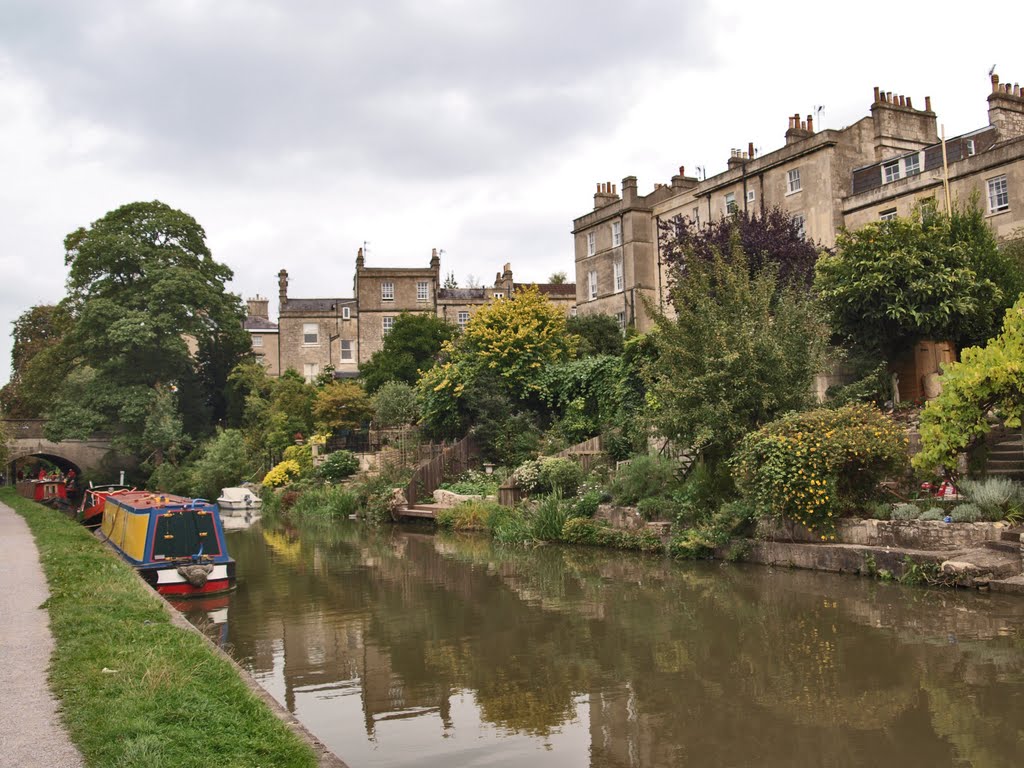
(282, 288)
(810, 123)
(605, 194)
(1006, 109)
(258, 307)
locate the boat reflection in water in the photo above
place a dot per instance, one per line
(208, 614)
(403, 648)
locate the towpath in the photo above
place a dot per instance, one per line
(31, 733)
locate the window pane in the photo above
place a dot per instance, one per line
(891, 171)
(310, 333)
(387, 291)
(794, 180)
(421, 291)
(346, 349)
(998, 194)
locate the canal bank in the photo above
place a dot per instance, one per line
(134, 687)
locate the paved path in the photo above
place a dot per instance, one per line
(31, 733)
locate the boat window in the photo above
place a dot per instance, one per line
(182, 534)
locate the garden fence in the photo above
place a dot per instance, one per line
(453, 460)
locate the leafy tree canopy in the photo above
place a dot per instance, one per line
(37, 367)
(598, 334)
(737, 355)
(558, 278)
(768, 237)
(395, 404)
(893, 282)
(412, 345)
(341, 405)
(149, 307)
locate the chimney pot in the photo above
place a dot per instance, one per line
(903, 100)
(750, 150)
(877, 90)
(614, 190)
(995, 83)
(682, 170)
(909, 103)
(928, 103)
(888, 97)
(810, 123)
(1016, 89)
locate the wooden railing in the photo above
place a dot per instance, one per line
(429, 474)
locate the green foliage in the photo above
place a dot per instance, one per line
(341, 405)
(597, 533)
(412, 345)
(741, 352)
(142, 284)
(338, 466)
(560, 476)
(701, 541)
(905, 511)
(933, 513)
(474, 483)
(707, 487)
(814, 466)
(871, 383)
(547, 519)
(599, 335)
(5, 439)
(395, 404)
(586, 504)
(583, 394)
(510, 526)
(658, 508)
(325, 502)
(222, 463)
(966, 513)
(996, 496)
(37, 362)
(301, 455)
(987, 379)
(468, 516)
(893, 282)
(646, 476)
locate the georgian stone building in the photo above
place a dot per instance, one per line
(882, 165)
(318, 334)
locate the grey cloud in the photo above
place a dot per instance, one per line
(402, 88)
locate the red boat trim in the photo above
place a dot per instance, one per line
(182, 589)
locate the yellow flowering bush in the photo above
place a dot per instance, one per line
(282, 474)
(814, 466)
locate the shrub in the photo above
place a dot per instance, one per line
(548, 518)
(878, 510)
(701, 540)
(509, 526)
(221, 464)
(326, 501)
(468, 516)
(474, 483)
(966, 513)
(395, 404)
(994, 495)
(558, 475)
(644, 477)
(302, 455)
(705, 489)
(527, 475)
(338, 466)
(597, 533)
(933, 513)
(904, 511)
(282, 474)
(658, 508)
(811, 467)
(586, 504)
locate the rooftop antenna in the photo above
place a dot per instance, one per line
(992, 71)
(366, 248)
(701, 172)
(818, 109)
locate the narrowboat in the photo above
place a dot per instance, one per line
(94, 500)
(176, 544)
(49, 490)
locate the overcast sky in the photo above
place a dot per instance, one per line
(295, 130)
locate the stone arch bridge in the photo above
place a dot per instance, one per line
(92, 455)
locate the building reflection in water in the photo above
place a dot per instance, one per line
(405, 648)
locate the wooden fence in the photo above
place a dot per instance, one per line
(429, 474)
(586, 452)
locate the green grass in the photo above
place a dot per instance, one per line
(171, 701)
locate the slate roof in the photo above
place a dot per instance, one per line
(258, 324)
(566, 290)
(461, 293)
(317, 305)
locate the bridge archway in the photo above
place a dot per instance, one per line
(25, 460)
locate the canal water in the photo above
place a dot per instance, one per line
(404, 648)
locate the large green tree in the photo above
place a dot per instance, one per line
(894, 282)
(37, 364)
(149, 309)
(411, 345)
(740, 352)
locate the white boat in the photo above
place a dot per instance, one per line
(239, 502)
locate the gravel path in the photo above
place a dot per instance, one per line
(31, 733)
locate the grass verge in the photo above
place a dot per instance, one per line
(169, 699)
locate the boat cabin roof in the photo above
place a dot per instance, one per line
(147, 501)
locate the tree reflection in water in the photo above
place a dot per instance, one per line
(643, 661)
